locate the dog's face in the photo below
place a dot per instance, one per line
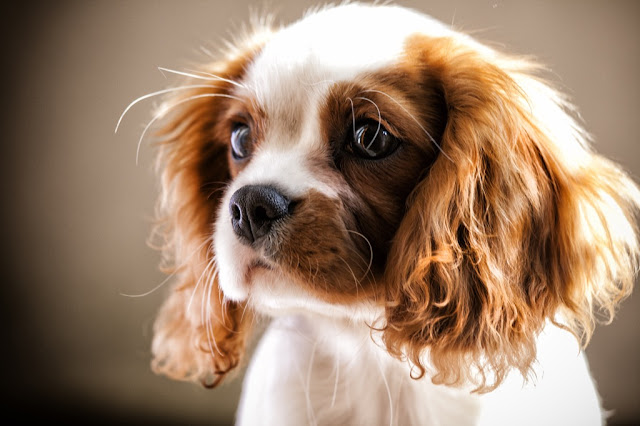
(327, 135)
(367, 162)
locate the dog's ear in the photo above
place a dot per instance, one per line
(198, 335)
(517, 223)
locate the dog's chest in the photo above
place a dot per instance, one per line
(300, 375)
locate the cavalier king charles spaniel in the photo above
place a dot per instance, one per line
(420, 215)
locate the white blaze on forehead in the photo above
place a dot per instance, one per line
(287, 169)
(335, 44)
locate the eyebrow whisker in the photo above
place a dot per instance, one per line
(414, 119)
(159, 92)
(379, 119)
(203, 76)
(353, 116)
(167, 108)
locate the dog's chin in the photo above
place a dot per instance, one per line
(244, 275)
(268, 290)
(237, 280)
(263, 286)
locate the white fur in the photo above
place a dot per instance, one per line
(317, 363)
(310, 369)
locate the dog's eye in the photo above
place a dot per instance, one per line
(372, 141)
(240, 141)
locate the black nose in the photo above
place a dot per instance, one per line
(254, 209)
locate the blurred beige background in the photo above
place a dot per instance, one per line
(77, 208)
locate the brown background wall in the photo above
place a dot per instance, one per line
(77, 208)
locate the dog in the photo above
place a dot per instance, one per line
(421, 216)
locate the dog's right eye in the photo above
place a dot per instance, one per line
(372, 141)
(240, 141)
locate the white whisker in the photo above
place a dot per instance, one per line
(353, 117)
(150, 291)
(209, 76)
(195, 289)
(403, 378)
(170, 107)
(159, 92)
(206, 319)
(386, 385)
(414, 119)
(207, 52)
(335, 384)
(246, 304)
(379, 119)
(352, 274)
(370, 251)
(254, 319)
(165, 280)
(307, 390)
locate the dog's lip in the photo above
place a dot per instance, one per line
(254, 266)
(259, 263)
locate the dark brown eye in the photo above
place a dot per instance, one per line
(372, 141)
(240, 141)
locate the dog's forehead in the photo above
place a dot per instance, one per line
(301, 61)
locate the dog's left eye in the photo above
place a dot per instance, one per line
(240, 141)
(372, 141)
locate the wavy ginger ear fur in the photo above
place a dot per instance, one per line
(198, 335)
(518, 224)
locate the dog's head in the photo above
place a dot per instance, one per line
(368, 162)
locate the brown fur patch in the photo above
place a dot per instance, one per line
(494, 243)
(316, 249)
(197, 336)
(378, 189)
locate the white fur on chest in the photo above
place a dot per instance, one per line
(311, 370)
(317, 371)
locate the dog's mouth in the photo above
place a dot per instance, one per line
(254, 267)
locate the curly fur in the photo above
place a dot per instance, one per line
(506, 233)
(198, 336)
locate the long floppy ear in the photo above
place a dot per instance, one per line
(517, 223)
(198, 335)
